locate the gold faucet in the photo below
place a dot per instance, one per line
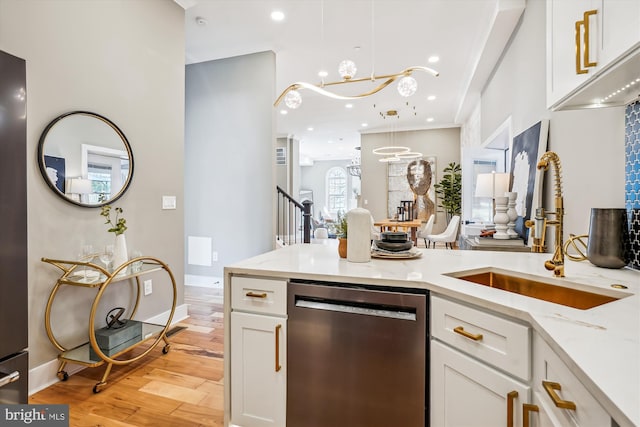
(539, 225)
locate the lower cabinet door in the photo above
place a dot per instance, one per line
(466, 392)
(258, 370)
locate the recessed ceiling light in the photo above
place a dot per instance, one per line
(277, 15)
(201, 21)
(322, 73)
(429, 119)
(348, 106)
(284, 112)
(431, 97)
(310, 129)
(330, 142)
(433, 59)
(364, 125)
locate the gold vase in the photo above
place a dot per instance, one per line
(342, 247)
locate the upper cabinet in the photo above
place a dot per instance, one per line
(593, 51)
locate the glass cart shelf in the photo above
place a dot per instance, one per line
(82, 353)
(82, 274)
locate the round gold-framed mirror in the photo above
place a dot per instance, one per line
(85, 159)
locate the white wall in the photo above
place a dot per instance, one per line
(590, 143)
(124, 60)
(444, 144)
(230, 157)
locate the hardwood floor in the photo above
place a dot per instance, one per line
(181, 388)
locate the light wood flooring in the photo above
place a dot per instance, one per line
(181, 388)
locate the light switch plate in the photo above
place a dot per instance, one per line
(168, 202)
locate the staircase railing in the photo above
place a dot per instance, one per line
(293, 219)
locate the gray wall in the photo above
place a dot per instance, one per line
(128, 65)
(590, 143)
(444, 144)
(229, 157)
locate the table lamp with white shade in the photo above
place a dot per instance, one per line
(76, 187)
(492, 185)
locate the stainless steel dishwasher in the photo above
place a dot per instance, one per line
(356, 356)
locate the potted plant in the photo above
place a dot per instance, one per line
(341, 233)
(449, 190)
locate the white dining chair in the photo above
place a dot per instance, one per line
(448, 236)
(425, 230)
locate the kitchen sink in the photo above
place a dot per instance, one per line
(557, 291)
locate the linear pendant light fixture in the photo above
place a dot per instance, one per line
(407, 85)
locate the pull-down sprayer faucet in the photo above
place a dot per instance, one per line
(540, 223)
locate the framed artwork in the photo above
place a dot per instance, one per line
(399, 187)
(56, 171)
(526, 179)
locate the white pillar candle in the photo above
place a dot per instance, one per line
(358, 235)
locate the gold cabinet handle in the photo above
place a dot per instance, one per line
(510, 398)
(278, 367)
(585, 19)
(526, 408)
(579, 69)
(460, 330)
(256, 295)
(551, 388)
(585, 52)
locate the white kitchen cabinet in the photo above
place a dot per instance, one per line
(258, 352)
(468, 348)
(562, 400)
(467, 392)
(584, 39)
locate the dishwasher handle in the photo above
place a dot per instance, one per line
(9, 378)
(364, 309)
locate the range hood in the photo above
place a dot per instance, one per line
(616, 84)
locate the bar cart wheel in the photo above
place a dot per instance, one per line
(166, 349)
(63, 375)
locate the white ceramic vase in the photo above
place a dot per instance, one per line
(512, 213)
(359, 235)
(501, 219)
(120, 254)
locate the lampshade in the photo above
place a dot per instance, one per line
(79, 186)
(492, 184)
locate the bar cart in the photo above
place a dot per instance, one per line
(89, 354)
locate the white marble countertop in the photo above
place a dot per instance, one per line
(601, 345)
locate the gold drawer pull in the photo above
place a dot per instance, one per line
(526, 408)
(278, 367)
(551, 388)
(510, 398)
(460, 330)
(257, 295)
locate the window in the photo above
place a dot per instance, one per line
(336, 190)
(482, 207)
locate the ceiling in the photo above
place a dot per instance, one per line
(381, 37)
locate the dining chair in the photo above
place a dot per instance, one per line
(425, 230)
(448, 236)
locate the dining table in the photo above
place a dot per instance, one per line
(389, 224)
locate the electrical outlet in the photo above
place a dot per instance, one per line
(214, 256)
(148, 287)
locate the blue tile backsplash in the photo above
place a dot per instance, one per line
(632, 179)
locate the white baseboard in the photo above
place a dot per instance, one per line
(44, 375)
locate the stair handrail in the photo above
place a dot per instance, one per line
(284, 218)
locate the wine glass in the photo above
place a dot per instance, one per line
(106, 256)
(86, 256)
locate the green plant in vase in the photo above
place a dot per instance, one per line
(118, 226)
(449, 190)
(341, 232)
